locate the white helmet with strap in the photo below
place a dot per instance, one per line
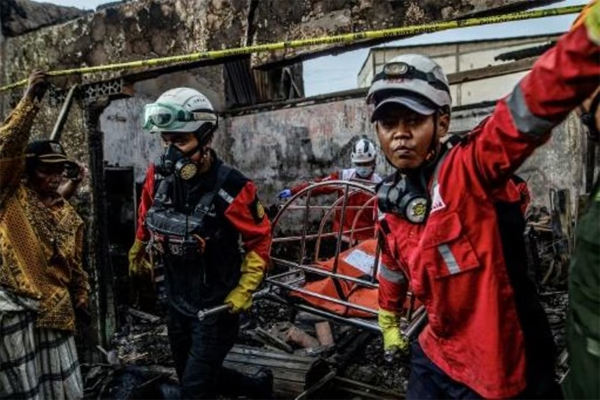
(363, 151)
(414, 81)
(181, 110)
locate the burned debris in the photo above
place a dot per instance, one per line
(317, 346)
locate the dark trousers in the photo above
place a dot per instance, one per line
(199, 349)
(428, 381)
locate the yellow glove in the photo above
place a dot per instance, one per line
(240, 297)
(138, 261)
(390, 328)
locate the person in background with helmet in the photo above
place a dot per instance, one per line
(487, 334)
(363, 158)
(194, 212)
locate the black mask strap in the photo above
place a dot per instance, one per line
(588, 118)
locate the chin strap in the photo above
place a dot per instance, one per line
(432, 151)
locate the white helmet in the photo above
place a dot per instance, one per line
(414, 81)
(181, 110)
(363, 151)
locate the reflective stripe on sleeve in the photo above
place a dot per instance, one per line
(524, 120)
(390, 275)
(225, 196)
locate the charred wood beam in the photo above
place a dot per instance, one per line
(535, 51)
(455, 78)
(103, 305)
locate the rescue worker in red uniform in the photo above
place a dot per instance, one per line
(487, 334)
(363, 157)
(194, 212)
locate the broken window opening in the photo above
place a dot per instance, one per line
(245, 86)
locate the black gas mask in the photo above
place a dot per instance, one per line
(175, 161)
(405, 196)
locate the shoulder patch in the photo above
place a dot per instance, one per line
(257, 210)
(437, 202)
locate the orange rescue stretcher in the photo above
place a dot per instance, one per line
(342, 287)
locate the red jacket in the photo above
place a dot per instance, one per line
(366, 219)
(478, 302)
(244, 212)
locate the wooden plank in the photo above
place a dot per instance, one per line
(292, 374)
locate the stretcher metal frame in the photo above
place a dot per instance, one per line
(412, 320)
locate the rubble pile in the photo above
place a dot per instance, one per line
(311, 356)
(548, 249)
(292, 343)
(555, 304)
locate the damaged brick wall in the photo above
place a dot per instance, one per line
(132, 31)
(152, 28)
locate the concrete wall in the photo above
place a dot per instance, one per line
(285, 147)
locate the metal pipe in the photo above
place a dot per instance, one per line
(324, 273)
(416, 325)
(295, 281)
(323, 297)
(283, 274)
(202, 314)
(313, 236)
(304, 230)
(359, 213)
(320, 233)
(295, 207)
(62, 117)
(286, 274)
(308, 191)
(326, 314)
(338, 246)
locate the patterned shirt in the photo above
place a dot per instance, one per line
(41, 246)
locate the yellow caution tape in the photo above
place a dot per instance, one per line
(336, 39)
